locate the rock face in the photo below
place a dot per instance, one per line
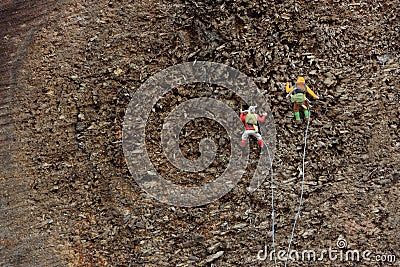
(70, 70)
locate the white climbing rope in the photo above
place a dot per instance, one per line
(273, 199)
(301, 195)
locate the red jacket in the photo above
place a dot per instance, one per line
(251, 127)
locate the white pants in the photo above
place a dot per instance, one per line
(251, 132)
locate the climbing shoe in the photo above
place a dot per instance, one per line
(262, 145)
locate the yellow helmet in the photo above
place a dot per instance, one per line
(301, 80)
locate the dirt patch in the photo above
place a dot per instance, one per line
(23, 240)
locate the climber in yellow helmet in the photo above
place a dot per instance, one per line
(297, 95)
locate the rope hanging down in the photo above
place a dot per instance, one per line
(300, 200)
(301, 195)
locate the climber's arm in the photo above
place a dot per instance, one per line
(311, 92)
(243, 116)
(288, 88)
(262, 118)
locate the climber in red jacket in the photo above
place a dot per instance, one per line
(251, 123)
